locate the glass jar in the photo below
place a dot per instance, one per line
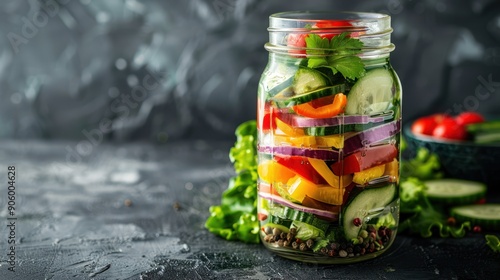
(328, 119)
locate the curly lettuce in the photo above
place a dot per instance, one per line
(236, 217)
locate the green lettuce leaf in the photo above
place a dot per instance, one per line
(236, 217)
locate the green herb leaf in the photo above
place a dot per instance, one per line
(315, 62)
(350, 67)
(337, 54)
(493, 242)
(346, 45)
(314, 42)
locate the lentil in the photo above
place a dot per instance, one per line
(303, 246)
(357, 222)
(268, 230)
(281, 243)
(309, 243)
(293, 231)
(283, 235)
(363, 233)
(295, 245)
(342, 253)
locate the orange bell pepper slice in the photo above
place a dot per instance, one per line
(327, 111)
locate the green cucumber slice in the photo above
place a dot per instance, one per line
(281, 87)
(371, 94)
(283, 228)
(332, 130)
(362, 203)
(288, 98)
(308, 218)
(306, 80)
(287, 213)
(454, 191)
(280, 221)
(485, 215)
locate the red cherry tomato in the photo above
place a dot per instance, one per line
(426, 125)
(466, 118)
(332, 23)
(298, 40)
(450, 129)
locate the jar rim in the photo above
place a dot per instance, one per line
(373, 29)
(328, 15)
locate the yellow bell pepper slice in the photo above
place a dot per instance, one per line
(327, 174)
(288, 129)
(299, 188)
(271, 171)
(369, 174)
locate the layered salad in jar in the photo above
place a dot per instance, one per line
(328, 149)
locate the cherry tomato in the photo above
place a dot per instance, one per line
(332, 23)
(298, 40)
(426, 125)
(466, 118)
(450, 129)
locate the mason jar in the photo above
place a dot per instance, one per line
(328, 119)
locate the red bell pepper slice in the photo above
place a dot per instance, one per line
(302, 167)
(265, 118)
(365, 159)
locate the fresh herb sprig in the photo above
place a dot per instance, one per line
(339, 54)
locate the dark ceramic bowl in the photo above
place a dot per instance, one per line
(462, 159)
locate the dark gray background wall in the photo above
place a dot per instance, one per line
(166, 70)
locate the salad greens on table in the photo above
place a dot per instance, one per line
(236, 217)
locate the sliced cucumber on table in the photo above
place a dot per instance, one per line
(485, 215)
(371, 94)
(366, 200)
(454, 191)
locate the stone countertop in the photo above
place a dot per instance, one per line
(136, 211)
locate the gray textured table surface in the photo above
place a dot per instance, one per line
(136, 211)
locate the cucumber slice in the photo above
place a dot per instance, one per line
(308, 218)
(275, 220)
(307, 84)
(290, 214)
(371, 94)
(281, 87)
(288, 97)
(485, 215)
(306, 80)
(454, 191)
(366, 200)
(332, 130)
(278, 226)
